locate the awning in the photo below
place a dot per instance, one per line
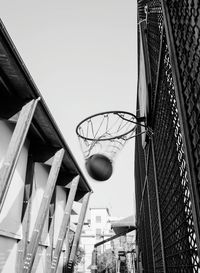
(124, 225)
(120, 228)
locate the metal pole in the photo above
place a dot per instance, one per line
(158, 207)
(94, 261)
(149, 205)
(114, 237)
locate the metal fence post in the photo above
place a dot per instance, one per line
(158, 207)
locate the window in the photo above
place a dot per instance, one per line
(98, 219)
(98, 232)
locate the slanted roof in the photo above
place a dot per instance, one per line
(124, 225)
(17, 88)
(120, 227)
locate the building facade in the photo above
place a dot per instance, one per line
(97, 228)
(39, 177)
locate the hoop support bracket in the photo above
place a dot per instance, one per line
(141, 119)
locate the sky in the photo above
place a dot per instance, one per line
(82, 55)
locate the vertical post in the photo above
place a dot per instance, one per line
(64, 225)
(78, 232)
(66, 253)
(149, 205)
(118, 264)
(94, 261)
(14, 148)
(44, 207)
(22, 245)
(150, 220)
(49, 251)
(158, 207)
(38, 255)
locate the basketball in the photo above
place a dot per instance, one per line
(99, 167)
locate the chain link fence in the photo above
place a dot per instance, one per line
(167, 167)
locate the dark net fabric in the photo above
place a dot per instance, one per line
(154, 31)
(179, 238)
(185, 22)
(175, 232)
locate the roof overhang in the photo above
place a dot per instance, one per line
(18, 88)
(121, 228)
(124, 225)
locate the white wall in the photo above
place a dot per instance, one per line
(59, 210)
(10, 217)
(8, 251)
(104, 225)
(89, 238)
(40, 177)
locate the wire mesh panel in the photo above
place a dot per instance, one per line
(175, 200)
(154, 36)
(168, 198)
(185, 22)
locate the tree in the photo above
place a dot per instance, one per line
(79, 255)
(106, 261)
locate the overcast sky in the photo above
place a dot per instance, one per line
(82, 56)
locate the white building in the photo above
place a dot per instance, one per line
(96, 229)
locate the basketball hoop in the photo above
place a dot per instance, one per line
(103, 135)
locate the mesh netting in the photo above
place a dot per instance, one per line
(174, 230)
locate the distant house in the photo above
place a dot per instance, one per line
(100, 226)
(97, 228)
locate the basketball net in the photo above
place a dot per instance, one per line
(106, 133)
